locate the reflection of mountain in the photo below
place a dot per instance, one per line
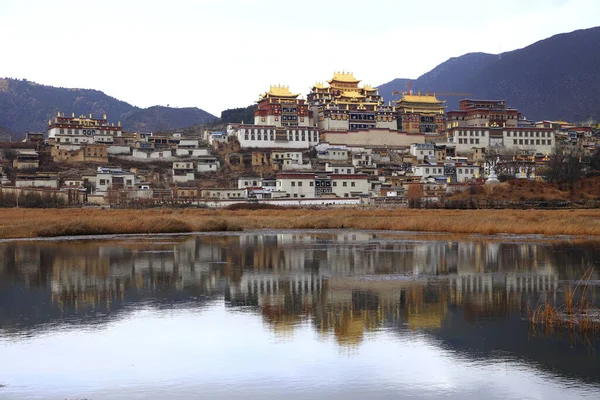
(344, 285)
(511, 337)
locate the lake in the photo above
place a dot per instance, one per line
(295, 315)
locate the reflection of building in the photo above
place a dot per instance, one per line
(344, 285)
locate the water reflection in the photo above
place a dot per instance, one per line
(466, 297)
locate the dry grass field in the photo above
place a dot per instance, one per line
(27, 223)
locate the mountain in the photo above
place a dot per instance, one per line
(555, 78)
(27, 106)
(398, 84)
(239, 115)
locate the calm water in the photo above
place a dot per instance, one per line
(289, 315)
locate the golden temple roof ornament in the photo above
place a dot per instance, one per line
(344, 77)
(279, 91)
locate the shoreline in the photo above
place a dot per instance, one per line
(49, 223)
(396, 235)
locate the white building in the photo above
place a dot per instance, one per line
(224, 194)
(183, 171)
(346, 185)
(115, 179)
(118, 150)
(363, 159)
(189, 152)
(79, 130)
(538, 140)
(280, 156)
(424, 170)
(333, 154)
(152, 154)
(296, 184)
(249, 181)
(43, 180)
(207, 164)
(339, 168)
(466, 172)
(422, 151)
(267, 136)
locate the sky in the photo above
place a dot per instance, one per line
(223, 54)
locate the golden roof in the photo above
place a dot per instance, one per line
(279, 91)
(319, 85)
(420, 98)
(369, 88)
(344, 77)
(349, 331)
(352, 94)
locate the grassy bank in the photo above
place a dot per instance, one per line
(19, 223)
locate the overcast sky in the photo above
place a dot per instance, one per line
(223, 54)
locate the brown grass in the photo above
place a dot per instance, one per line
(15, 223)
(575, 315)
(526, 190)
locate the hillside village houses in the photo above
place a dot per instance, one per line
(341, 144)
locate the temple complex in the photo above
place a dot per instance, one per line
(343, 105)
(280, 122)
(420, 113)
(483, 114)
(280, 107)
(79, 130)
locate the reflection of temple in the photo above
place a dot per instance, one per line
(342, 284)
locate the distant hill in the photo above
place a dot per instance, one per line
(555, 78)
(6, 135)
(27, 106)
(239, 115)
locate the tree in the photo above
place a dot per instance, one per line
(563, 168)
(595, 161)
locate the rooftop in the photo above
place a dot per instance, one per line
(352, 94)
(344, 77)
(420, 98)
(279, 91)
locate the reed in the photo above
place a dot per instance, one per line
(15, 223)
(574, 315)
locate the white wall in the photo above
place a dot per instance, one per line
(264, 137)
(189, 143)
(393, 124)
(466, 138)
(297, 187)
(540, 142)
(345, 187)
(118, 149)
(204, 167)
(50, 183)
(158, 154)
(189, 176)
(466, 172)
(428, 170)
(140, 154)
(337, 169)
(421, 152)
(329, 124)
(244, 182)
